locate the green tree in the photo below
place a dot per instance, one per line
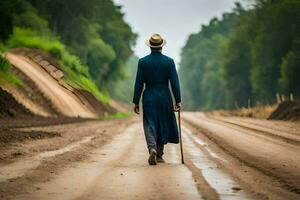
(90, 37)
(289, 70)
(95, 31)
(246, 55)
(276, 27)
(122, 89)
(200, 68)
(236, 63)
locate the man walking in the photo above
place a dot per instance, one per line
(155, 71)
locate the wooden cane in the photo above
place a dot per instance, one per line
(180, 137)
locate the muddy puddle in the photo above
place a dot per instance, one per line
(223, 183)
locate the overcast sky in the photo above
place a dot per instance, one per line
(173, 19)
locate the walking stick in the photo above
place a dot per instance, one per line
(180, 137)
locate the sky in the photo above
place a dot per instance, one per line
(175, 20)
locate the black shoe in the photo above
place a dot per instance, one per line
(160, 159)
(152, 157)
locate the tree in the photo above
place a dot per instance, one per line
(246, 55)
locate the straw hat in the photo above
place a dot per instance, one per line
(156, 41)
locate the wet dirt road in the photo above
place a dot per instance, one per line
(119, 170)
(264, 155)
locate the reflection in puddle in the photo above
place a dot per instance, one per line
(19, 168)
(216, 178)
(200, 142)
(172, 153)
(197, 140)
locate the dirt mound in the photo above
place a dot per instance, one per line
(45, 93)
(287, 110)
(97, 106)
(9, 107)
(32, 94)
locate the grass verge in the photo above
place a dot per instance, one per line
(118, 115)
(6, 77)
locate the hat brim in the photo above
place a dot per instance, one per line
(156, 46)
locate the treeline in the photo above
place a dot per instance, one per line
(90, 37)
(122, 89)
(246, 57)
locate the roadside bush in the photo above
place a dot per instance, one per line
(4, 64)
(2, 47)
(25, 37)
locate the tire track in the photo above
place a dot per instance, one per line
(288, 138)
(272, 157)
(213, 183)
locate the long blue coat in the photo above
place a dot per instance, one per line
(155, 71)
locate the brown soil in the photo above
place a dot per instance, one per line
(12, 135)
(287, 110)
(37, 55)
(31, 92)
(101, 132)
(9, 107)
(29, 140)
(34, 121)
(98, 107)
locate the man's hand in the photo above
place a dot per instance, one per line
(177, 106)
(136, 109)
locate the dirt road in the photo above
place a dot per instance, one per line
(108, 160)
(267, 152)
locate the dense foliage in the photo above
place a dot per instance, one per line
(89, 37)
(245, 57)
(122, 89)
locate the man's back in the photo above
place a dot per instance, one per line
(156, 68)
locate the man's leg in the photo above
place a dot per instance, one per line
(151, 144)
(150, 138)
(160, 153)
(160, 150)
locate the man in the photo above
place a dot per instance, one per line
(155, 71)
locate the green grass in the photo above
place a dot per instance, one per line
(118, 115)
(9, 78)
(4, 64)
(82, 82)
(24, 37)
(2, 47)
(6, 77)
(77, 74)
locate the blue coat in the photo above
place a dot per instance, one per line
(155, 71)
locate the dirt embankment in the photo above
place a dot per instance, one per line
(44, 92)
(287, 110)
(9, 107)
